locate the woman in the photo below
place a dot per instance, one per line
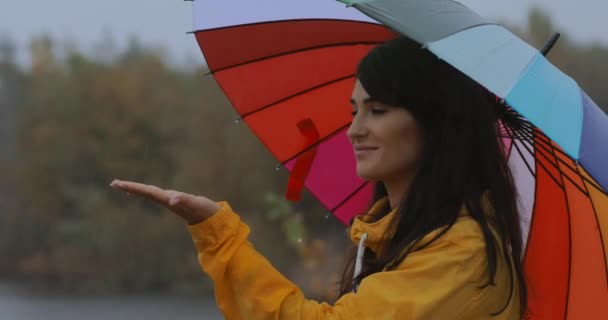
(442, 238)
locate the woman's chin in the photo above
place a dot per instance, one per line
(367, 175)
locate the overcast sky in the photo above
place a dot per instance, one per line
(165, 22)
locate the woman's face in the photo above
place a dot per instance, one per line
(387, 139)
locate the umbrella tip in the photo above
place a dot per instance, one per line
(550, 43)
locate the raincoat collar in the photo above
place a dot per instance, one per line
(367, 224)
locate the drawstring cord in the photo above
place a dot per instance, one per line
(359, 260)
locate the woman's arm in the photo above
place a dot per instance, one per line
(438, 282)
(442, 281)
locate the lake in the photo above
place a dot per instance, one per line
(20, 304)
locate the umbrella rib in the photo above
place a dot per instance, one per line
(574, 170)
(523, 122)
(524, 135)
(566, 164)
(562, 173)
(504, 127)
(546, 145)
(569, 215)
(507, 113)
(295, 95)
(529, 129)
(524, 159)
(543, 166)
(526, 125)
(521, 153)
(318, 142)
(543, 137)
(535, 132)
(595, 185)
(597, 222)
(546, 149)
(276, 55)
(525, 128)
(506, 135)
(349, 197)
(532, 218)
(533, 213)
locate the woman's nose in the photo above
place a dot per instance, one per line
(357, 128)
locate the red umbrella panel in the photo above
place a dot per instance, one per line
(565, 224)
(303, 120)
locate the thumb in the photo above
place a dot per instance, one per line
(197, 207)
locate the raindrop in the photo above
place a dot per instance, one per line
(326, 216)
(237, 121)
(299, 240)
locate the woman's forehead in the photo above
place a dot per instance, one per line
(359, 95)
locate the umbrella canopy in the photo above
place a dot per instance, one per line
(286, 64)
(288, 69)
(507, 66)
(554, 159)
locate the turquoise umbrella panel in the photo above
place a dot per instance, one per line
(509, 67)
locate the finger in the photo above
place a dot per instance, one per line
(147, 191)
(196, 204)
(175, 197)
(188, 206)
(183, 201)
(169, 199)
(193, 208)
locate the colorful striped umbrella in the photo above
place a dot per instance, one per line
(288, 69)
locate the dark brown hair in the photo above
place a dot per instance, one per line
(462, 160)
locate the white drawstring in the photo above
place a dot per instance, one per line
(359, 261)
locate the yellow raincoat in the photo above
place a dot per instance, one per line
(440, 281)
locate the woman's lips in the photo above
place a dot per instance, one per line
(361, 152)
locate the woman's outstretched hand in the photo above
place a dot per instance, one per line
(193, 209)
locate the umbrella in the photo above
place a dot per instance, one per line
(554, 159)
(288, 67)
(310, 48)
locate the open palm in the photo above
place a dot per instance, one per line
(193, 209)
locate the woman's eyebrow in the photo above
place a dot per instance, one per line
(365, 101)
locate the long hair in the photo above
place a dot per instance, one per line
(462, 161)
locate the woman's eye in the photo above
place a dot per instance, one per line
(378, 111)
(373, 111)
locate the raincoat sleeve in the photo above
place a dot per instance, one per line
(248, 287)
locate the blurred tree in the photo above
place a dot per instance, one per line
(43, 55)
(11, 85)
(540, 27)
(585, 63)
(319, 255)
(105, 51)
(79, 121)
(10, 92)
(86, 122)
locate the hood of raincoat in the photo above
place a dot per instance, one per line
(375, 228)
